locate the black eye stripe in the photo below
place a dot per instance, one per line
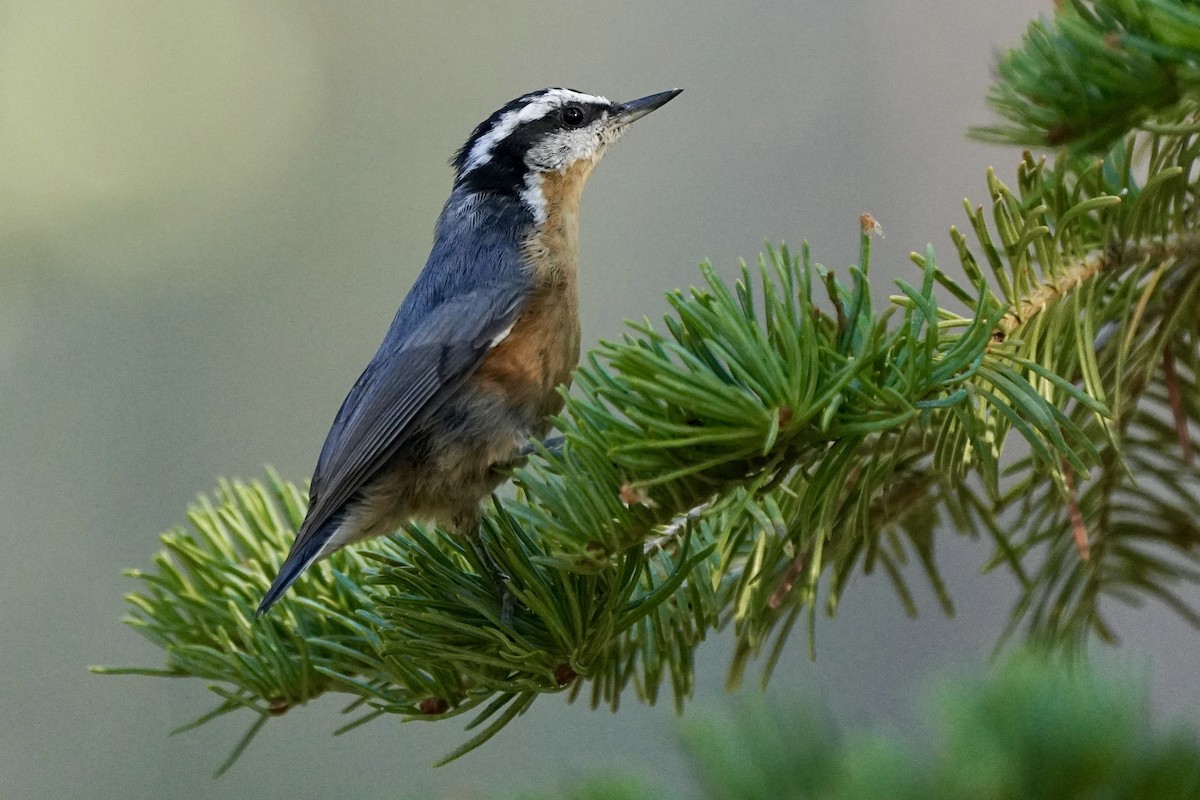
(592, 106)
(504, 169)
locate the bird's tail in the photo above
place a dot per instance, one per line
(306, 551)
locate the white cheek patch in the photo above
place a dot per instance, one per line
(558, 153)
(566, 147)
(538, 107)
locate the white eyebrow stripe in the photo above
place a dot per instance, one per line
(481, 153)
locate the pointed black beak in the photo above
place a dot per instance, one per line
(624, 113)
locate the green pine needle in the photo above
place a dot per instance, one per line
(778, 434)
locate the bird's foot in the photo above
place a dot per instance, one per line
(500, 578)
(554, 445)
(507, 604)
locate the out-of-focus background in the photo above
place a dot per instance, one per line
(208, 215)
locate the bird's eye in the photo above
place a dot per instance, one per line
(573, 116)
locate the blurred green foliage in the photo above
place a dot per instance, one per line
(1035, 729)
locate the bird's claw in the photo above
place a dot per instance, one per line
(553, 445)
(500, 578)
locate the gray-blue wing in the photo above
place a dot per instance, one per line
(401, 386)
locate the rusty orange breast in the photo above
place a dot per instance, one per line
(542, 349)
(536, 357)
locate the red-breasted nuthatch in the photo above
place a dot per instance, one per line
(469, 369)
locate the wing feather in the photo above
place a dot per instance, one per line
(403, 384)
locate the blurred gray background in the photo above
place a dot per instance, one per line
(208, 215)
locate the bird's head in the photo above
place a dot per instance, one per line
(552, 133)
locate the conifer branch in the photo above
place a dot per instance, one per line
(1098, 70)
(775, 436)
(1072, 277)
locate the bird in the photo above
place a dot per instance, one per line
(467, 375)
